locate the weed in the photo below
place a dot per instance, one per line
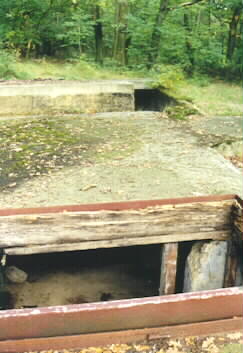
(215, 98)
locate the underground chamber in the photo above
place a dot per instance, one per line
(79, 277)
(151, 100)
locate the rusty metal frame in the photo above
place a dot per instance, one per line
(121, 337)
(116, 206)
(125, 321)
(219, 310)
(83, 325)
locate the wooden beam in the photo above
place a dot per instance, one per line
(113, 243)
(90, 230)
(169, 254)
(237, 216)
(231, 265)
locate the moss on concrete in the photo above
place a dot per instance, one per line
(33, 147)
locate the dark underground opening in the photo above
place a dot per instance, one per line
(151, 100)
(184, 249)
(88, 276)
(85, 276)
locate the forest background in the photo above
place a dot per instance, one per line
(198, 37)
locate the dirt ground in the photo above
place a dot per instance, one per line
(82, 286)
(86, 276)
(221, 343)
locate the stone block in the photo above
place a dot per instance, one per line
(205, 266)
(15, 274)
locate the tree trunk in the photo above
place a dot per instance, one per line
(232, 37)
(189, 47)
(156, 34)
(120, 40)
(98, 36)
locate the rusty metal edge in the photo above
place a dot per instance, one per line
(169, 310)
(46, 317)
(121, 337)
(116, 206)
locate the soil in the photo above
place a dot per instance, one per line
(85, 276)
(85, 285)
(220, 343)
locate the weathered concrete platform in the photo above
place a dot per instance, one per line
(171, 161)
(38, 97)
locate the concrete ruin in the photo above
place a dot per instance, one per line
(67, 97)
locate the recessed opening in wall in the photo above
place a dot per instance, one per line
(85, 276)
(184, 249)
(151, 100)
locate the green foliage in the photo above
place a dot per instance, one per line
(203, 38)
(77, 30)
(7, 65)
(181, 110)
(168, 77)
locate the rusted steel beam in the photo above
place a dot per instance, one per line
(127, 205)
(168, 310)
(118, 337)
(169, 254)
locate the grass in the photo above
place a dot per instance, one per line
(215, 98)
(70, 70)
(212, 98)
(232, 348)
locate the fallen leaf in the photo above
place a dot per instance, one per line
(12, 185)
(208, 342)
(235, 335)
(88, 187)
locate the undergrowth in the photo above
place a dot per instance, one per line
(211, 97)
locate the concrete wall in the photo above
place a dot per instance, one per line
(66, 97)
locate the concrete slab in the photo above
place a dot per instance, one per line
(170, 162)
(65, 97)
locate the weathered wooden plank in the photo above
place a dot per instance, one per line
(231, 266)
(169, 254)
(25, 235)
(237, 215)
(85, 245)
(84, 230)
(61, 228)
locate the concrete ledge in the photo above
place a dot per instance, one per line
(66, 97)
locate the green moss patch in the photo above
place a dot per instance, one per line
(169, 80)
(181, 110)
(34, 147)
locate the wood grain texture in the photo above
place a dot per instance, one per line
(85, 245)
(169, 254)
(237, 216)
(89, 230)
(231, 266)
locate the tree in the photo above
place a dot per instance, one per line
(98, 35)
(121, 30)
(234, 34)
(156, 34)
(199, 35)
